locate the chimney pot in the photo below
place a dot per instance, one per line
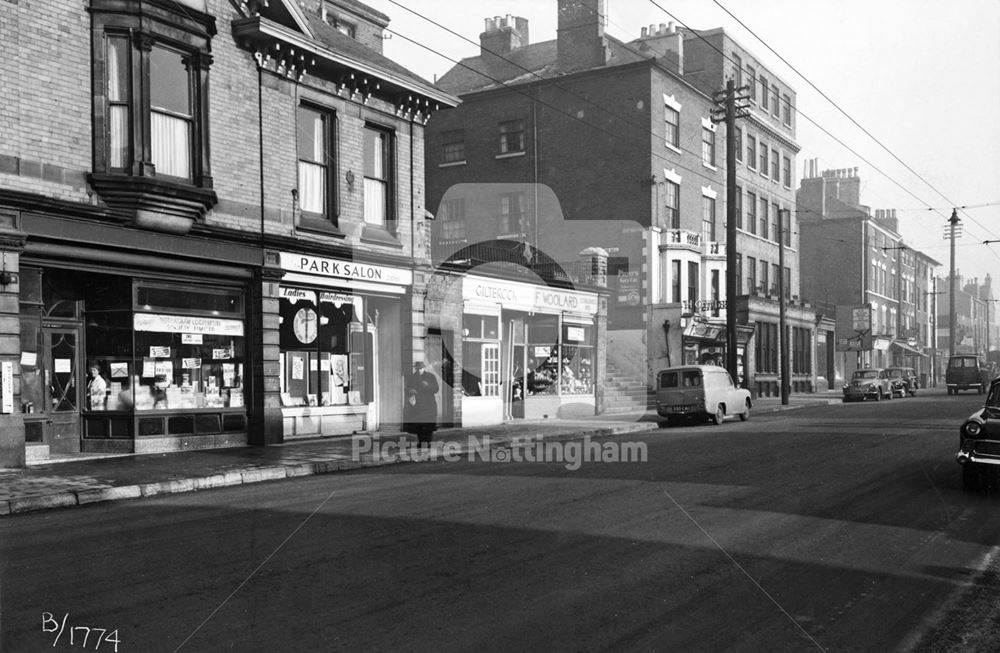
(643, 32)
(663, 28)
(671, 27)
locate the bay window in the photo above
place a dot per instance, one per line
(150, 110)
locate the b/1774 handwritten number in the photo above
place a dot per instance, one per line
(79, 635)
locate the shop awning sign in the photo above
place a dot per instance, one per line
(334, 268)
(214, 326)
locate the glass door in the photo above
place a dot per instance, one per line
(62, 373)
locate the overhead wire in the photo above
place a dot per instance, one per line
(745, 183)
(801, 113)
(835, 105)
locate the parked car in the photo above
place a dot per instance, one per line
(904, 380)
(870, 382)
(699, 391)
(966, 372)
(979, 441)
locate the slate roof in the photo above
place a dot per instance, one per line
(534, 61)
(335, 40)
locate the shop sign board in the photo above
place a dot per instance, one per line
(523, 296)
(214, 326)
(628, 288)
(338, 269)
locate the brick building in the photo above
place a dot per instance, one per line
(619, 138)
(858, 260)
(220, 239)
(596, 144)
(765, 163)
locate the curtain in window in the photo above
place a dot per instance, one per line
(375, 199)
(118, 102)
(376, 188)
(171, 145)
(312, 189)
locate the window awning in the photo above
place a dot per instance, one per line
(907, 349)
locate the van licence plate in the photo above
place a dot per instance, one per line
(681, 409)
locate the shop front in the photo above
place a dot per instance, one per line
(704, 343)
(342, 334)
(121, 361)
(528, 351)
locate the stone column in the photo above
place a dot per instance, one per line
(12, 240)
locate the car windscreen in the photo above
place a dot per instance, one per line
(962, 362)
(866, 374)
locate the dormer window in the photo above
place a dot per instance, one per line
(344, 27)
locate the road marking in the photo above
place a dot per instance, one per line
(744, 571)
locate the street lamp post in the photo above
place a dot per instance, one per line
(782, 334)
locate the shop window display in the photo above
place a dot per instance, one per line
(543, 355)
(326, 349)
(576, 373)
(189, 351)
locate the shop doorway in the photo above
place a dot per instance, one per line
(61, 388)
(514, 366)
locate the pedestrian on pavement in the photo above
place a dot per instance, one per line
(421, 404)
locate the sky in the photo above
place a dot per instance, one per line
(920, 76)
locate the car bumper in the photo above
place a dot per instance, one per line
(980, 452)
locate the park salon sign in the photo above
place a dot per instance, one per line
(338, 269)
(511, 294)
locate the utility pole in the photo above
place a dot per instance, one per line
(729, 107)
(782, 335)
(952, 331)
(934, 336)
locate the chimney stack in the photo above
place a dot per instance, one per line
(666, 43)
(580, 40)
(502, 35)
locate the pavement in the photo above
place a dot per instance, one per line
(83, 479)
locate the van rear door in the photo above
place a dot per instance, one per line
(680, 389)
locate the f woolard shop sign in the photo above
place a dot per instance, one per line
(515, 295)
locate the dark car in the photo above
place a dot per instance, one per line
(979, 442)
(904, 380)
(966, 372)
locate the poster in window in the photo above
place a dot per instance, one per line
(228, 374)
(119, 370)
(159, 352)
(339, 379)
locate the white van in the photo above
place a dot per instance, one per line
(699, 391)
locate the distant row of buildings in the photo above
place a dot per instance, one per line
(250, 224)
